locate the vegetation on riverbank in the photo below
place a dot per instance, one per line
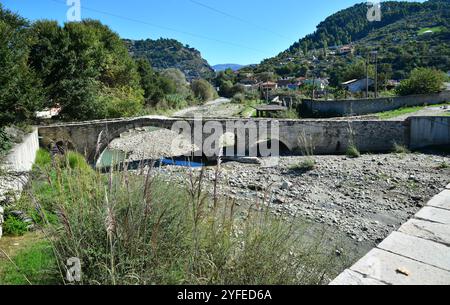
(129, 229)
(85, 69)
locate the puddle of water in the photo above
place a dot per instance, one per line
(179, 162)
(111, 157)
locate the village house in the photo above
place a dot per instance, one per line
(358, 85)
(268, 86)
(346, 50)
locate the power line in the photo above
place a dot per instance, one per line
(238, 19)
(165, 28)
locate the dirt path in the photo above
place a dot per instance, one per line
(219, 108)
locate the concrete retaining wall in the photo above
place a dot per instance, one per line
(429, 131)
(335, 136)
(314, 108)
(15, 169)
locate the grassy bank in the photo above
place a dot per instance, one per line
(403, 111)
(130, 229)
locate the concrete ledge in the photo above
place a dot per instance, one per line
(434, 215)
(436, 232)
(422, 250)
(388, 267)
(349, 277)
(441, 201)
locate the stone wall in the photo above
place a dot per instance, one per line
(315, 108)
(335, 136)
(15, 169)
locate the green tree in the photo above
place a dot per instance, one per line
(20, 89)
(203, 90)
(422, 81)
(84, 66)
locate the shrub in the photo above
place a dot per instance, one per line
(203, 90)
(238, 98)
(443, 165)
(400, 149)
(353, 152)
(14, 226)
(306, 166)
(142, 230)
(422, 81)
(175, 101)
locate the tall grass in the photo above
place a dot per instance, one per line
(130, 229)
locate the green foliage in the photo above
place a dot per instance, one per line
(14, 226)
(76, 162)
(5, 142)
(203, 90)
(305, 166)
(395, 38)
(444, 165)
(353, 151)
(20, 93)
(43, 159)
(400, 149)
(86, 68)
(141, 230)
(422, 81)
(239, 98)
(35, 264)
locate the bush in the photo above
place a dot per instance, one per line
(306, 166)
(203, 90)
(14, 226)
(353, 152)
(400, 149)
(238, 98)
(422, 81)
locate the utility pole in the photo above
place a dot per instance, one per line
(367, 75)
(375, 53)
(314, 86)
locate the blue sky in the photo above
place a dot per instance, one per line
(225, 31)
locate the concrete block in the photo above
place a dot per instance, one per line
(388, 267)
(352, 278)
(422, 250)
(436, 232)
(441, 200)
(434, 214)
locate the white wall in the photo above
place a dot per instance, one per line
(16, 166)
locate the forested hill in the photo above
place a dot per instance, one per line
(170, 53)
(401, 30)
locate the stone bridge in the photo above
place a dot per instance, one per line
(320, 136)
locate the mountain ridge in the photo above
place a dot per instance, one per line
(169, 53)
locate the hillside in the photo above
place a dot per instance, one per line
(169, 53)
(409, 35)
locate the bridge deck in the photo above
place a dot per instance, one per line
(417, 254)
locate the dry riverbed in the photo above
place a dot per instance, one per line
(365, 198)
